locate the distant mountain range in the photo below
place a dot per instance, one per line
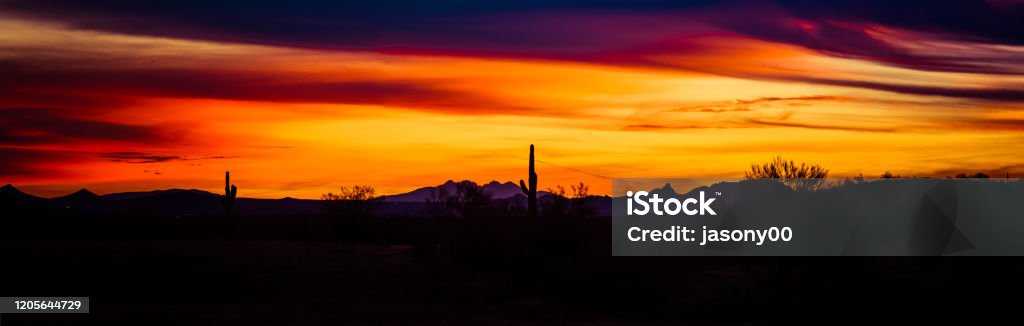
(495, 189)
(176, 202)
(180, 202)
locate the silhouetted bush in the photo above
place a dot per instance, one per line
(889, 175)
(349, 207)
(468, 200)
(802, 177)
(576, 204)
(978, 175)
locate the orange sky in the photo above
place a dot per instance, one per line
(299, 122)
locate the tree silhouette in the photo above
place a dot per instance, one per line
(555, 204)
(468, 200)
(351, 202)
(350, 206)
(580, 190)
(575, 204)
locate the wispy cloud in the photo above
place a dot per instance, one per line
(34, 126)
(239, 84)
(642, 127)
(817, 126)
(30, 163)
(143, 158)
(749, 105)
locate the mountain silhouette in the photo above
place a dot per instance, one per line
(185, 202)
(15, 201)
(169, 202)
(80, 195)
(495, 189)
(141, 194)
(502, 190)
(10, 193)
(81, 199)
(665, 191)
(421, 194)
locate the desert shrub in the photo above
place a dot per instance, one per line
(800, 177)
(349, 207)
(978, 175)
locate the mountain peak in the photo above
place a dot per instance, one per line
(175, 191)
(495, 189)
(665, 191)
(79, 197)
(500, 190)
(84, 192)
(10, 189)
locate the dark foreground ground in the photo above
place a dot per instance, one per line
(248, 282)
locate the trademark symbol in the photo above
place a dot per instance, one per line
(718, 193)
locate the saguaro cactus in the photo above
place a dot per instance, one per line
(230, 193)
(531, 191)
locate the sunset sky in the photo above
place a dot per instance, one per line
(297, 98)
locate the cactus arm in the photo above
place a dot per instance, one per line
(526, 191)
